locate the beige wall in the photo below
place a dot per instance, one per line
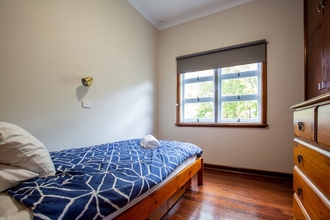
(46, 47)
(280, 22)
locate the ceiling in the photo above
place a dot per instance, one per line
(168, 13)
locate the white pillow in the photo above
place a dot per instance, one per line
(11, 176)
(19, 148)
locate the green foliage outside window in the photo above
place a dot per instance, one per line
(242, 86)
(205, 110)
(230, 87)
(233, 110)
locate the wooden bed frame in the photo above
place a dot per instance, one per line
(151, 203)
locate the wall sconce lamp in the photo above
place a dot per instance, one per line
(87, 81)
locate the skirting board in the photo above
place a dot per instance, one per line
(262, 173)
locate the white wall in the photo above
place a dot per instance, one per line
(280, 22)
(46, 47)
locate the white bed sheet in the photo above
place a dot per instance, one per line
(10, 209)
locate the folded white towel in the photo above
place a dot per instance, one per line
(149, 141)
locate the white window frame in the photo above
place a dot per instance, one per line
(196, 99)
(239, 97)
(218, 99)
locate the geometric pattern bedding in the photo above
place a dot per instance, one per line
(92, 182)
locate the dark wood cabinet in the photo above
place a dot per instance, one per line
(314, 64)
(313, 15)
(326, 50)
(317, 26)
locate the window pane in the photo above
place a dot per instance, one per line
(194, 90)
(198, 110)
(240, 68)
(198, 74)
(241, 86)
(242, 110)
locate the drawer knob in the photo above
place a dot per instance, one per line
(299, 191)
(300, 159)
(301, 126)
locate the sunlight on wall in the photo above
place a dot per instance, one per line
(126, 114)
(131, 110)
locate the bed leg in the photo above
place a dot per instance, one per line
(200, 174)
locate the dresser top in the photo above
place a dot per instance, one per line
(317, 100)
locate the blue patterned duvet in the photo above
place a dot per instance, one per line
(93, 182)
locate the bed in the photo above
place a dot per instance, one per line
(109, 181)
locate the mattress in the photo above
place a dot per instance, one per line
(88, 173)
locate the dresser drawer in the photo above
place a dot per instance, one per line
(314, 202)
(314, 162)
(323, 121)
(299, 212)
(303, 123)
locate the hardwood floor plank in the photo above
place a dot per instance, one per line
(226, 195)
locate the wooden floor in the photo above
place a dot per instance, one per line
(235, 196)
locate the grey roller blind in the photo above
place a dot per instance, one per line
(251, 52)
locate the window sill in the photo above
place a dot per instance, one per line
(240, 125)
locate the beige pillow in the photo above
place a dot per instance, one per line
(11, 176)
(19, 148)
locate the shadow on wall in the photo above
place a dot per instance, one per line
(81, 91)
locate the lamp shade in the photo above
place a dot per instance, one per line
(87, 81)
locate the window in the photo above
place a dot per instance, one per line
(226, 94)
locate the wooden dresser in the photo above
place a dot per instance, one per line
(311, 173)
